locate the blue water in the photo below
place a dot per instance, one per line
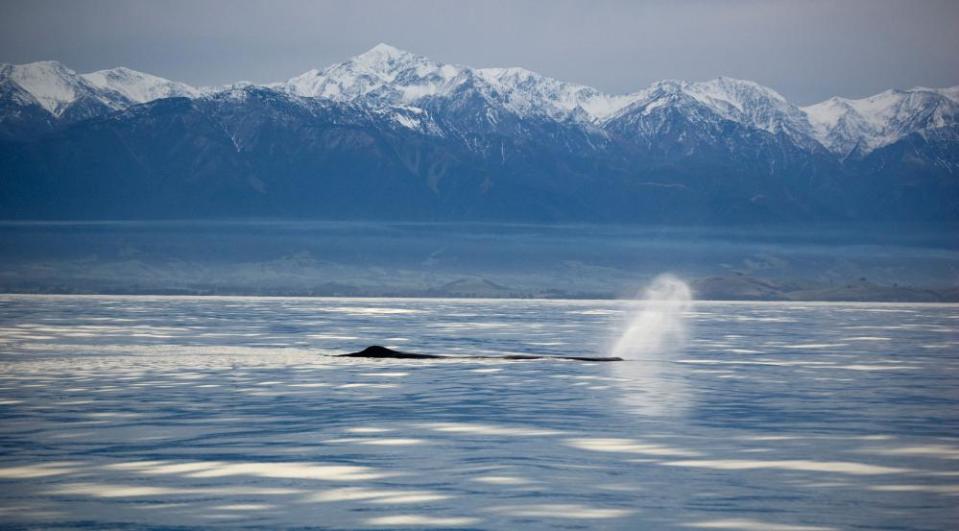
(153, 411)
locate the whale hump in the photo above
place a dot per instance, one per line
(378, 352)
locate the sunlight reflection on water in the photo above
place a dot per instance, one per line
(151, 411)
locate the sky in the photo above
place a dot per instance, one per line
(808, 50)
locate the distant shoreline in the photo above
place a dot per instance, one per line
(499, 261)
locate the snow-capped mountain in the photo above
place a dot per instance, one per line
(952, 92)
(712, 103)
(56, 88)
(753, 105)
(54, 94)
(527, 92)
(386, 75)
(860, 126)
(138, 87)
(392, 134)
(383, 73)
(385, 78)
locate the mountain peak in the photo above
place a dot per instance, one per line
(137, 86)
(382, 55)
(869, 123)
(52, 85)
(40, 70)
(394, 75)
(727, 87)
(386, 49)
(48, 65)
(669, 85)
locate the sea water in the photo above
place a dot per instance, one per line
(162, 411)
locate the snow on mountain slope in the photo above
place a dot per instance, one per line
(846, 126)
(390, 76)
(707, 104)
(752, 104)
(838, 125)
(386, 75)
(54, 86)
(657, 111)
(394, 76)
(527, 92)
(137, 86)
(952, 93)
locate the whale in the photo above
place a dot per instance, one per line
(383, 353)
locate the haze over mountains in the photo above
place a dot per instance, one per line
(392, 135)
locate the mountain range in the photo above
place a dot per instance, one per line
(392, 135)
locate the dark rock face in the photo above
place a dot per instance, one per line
(378, 352)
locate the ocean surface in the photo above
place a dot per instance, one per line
(205, 411)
